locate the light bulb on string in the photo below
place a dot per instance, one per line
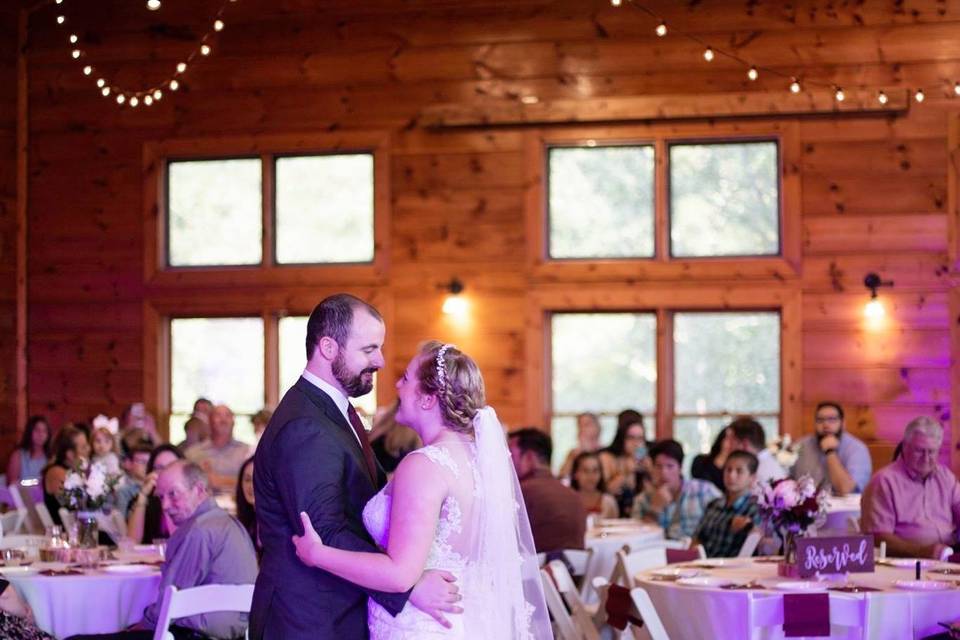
(61, 19)
(73, 38)
(708, 54)
(134, 101)
(87, 70)
(75, 53)
(148, 99)
(174, 85)
(205, 49)
(157, 94)
(956, 88)
(752, 73)
(839, 95)
(918, 96)
(218, 25)
(121, 98)
(661, 29)
(105, 91)
(101, 82)
(616, 3)
(181, 67)
(153, 5)
(882, 98)
(794, 86)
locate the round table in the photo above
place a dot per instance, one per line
(608, 537)
(839, 510)
(893, 613)
(101, 600)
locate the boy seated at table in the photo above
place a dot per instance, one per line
(728, 520)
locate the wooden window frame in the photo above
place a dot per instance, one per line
(267, 290)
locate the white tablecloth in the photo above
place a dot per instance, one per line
(893, 614)
(96, 602)
(605, 541)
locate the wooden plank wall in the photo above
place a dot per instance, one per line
(874, 191)
(8, 218)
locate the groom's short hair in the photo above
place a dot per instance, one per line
(533, 439)
(332, 318)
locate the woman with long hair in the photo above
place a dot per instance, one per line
(623, 460)
(586, 478)
(30, 457)
(246, 512)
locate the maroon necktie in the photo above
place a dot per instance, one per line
(364, 442)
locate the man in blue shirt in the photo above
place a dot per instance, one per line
(834, 458)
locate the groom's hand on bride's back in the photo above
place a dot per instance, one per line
(437, 593)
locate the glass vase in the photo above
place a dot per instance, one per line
(789, 567)
(88, 530)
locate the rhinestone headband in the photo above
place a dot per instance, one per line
(441, 370)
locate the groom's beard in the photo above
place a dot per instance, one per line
(353, 384)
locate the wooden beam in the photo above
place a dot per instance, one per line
(21, 223)
(659, 107)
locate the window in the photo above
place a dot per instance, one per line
(220, 359)
(601, 363)
(721, 199)
(322, 211)
(721, 364)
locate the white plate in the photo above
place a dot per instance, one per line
(705, 581)
(128, 568)
(909, 563)
(678, 572)
(799, 585)
(13, 570)
(725, 563)
(923, 585)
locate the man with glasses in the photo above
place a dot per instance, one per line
(834, 458)
(913, 504)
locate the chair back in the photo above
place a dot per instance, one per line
(563, 625)
(648, 613)
(208, 598)
(8, 523)
(853, 524)
(577, 560)
(750, 544)
(631, 562)
(43, 514)
(845, 611)
(571, 596)
(21, 507)
(67, 517)
(686, 555)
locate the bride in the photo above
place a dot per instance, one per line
(455, 505)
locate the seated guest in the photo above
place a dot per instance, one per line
(136, 416)
(202, 408)
(557, 518)
(913, 503)
(390, 440)
(104, 446)
(145, 519)
(260, 421)
(136, 457)
(747, 434)
(30, 457)
(588, 441)
(246, 513)
(677, 505)
(834, 458)
(709, 466)
(195, 431)
(623, 460)
(16, 617)
(586, 479)
(221, 456)
(70, 446)
(208, 547)
(728, 520)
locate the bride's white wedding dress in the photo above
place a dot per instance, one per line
(482, 537)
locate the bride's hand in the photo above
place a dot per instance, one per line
(309, 545)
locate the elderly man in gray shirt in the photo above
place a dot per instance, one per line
(208, 547)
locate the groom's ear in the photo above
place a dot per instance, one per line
(328, 348)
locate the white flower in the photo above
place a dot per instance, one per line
(73, 481)
(806, 488)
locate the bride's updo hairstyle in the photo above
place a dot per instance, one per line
(455, 379)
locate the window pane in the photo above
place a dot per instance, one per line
(214, 212)
(325, 208)
(220, 359)
(604, 363)
(724, 200)
(601, 202)
(293, 358)
(727, 362)
(697, 434)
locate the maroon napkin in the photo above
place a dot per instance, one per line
(619, 608)
(61, 572)
(955, 558)
(682, 555)
(806, 614)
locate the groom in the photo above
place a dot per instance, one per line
(314, 456)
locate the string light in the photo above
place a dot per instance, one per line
(121, 98)
(882, 98)
(75, 53)
(174, 85)
(218, 25)
(839, 95)
(148, 100)
(794, 86)
(181, 67)
(661, 29)
(73, 38)
(956, 88)
(616, 3)
(752, 73)
(105, 91)
(134, 101)
(153, 5)
(918, 96)
(61, 19)
(708, 54)
(204, 50)
(101, 82)
(157, 94)
(87, 70)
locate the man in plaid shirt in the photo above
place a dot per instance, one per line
(674, 503)
(728, 520)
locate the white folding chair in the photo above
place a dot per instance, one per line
(8, 523)
(642, 608)
(21, 507)
(750, 544)
(206, 599)
(580, 613)
(631, 562)
(563, 625)
(845, 611)
(44, 515)
(66, 517)
(577, 559)
(853, 524)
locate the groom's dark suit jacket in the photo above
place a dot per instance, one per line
(309, 460)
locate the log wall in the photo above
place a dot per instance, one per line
(8, 220)
(873, 189)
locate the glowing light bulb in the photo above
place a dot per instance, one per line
(105, 91)
(918, 96)
(59, 1)
(795, 86)
(121, 99)
(956, 88)
(839, 95)
(752, 73)
(529, 99)
(882, 98)
(61, 19)
(874, 310)
(73, 38)
(616, 3)
(181, 67)
(661, 29)
(205, 49)
(134, 101)
(75, 53)
(148, 100)
(174, 85)
(87, 70)
(218, 25)
(153, 5)
(157, 94)
(455, 305)
(708, 54)
(101, 82)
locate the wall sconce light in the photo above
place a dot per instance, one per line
(874, 309)
(454, 304)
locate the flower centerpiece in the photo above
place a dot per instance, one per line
(785, 450)
(789, 508)
(87, 489)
